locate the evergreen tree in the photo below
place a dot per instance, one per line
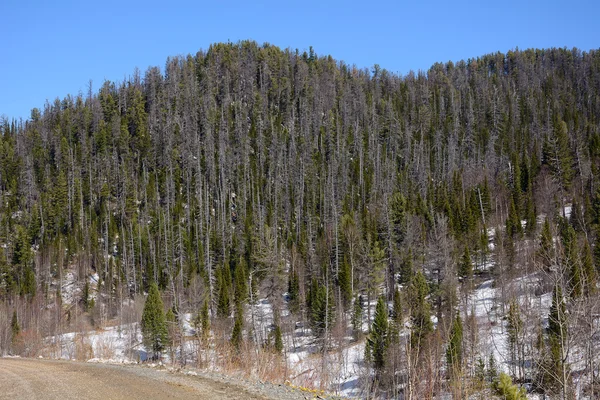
(406, 268)
(357, 314)
(546, 250)
(278, 342)
(321, 308)
(14, 327)
(507, 391)
(398, 312)
(454, 349)
(378, 337)
(294, 292)
(420, 311)
(223, 291)
(238, 326)
(205, 320)
(153, 325)
(588, 269)
(465, 267)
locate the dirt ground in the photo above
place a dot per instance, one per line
(45, 379)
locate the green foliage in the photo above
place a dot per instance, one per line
(223, 289)
(345, 283)
(357, 314)
(15, 328)
(465, 267)
(294, 292)
(506, 390)
(546, 251)
(420, 311)
(278, 340)
(492, 372)
(378, 337)
(454, 351)
(321, 308)
(153, 325)
(238, 326)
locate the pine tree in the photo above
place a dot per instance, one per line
(357, 314)
(321, 307)
(205, 320)
(465, 267)
(492, 369)
(406, 268)
(378, 337)
(420, 311)
(153, 325)
(507, 391)
(223, 293)
(238, 325)
(513, 222)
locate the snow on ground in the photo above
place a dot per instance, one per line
(490, 323)
(119, 344)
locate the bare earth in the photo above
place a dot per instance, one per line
(45, 379)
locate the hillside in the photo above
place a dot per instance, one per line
(354, 230)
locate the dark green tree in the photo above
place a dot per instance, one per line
(420, 311)
(378, 336)
(454, 351)
(153, 325)
(14, 327)
(465, 267)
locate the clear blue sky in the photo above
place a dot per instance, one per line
(54, 48)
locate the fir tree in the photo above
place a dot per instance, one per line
(153, 325)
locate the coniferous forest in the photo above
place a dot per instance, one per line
(417, 216)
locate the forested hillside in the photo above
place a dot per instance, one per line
(246, 175)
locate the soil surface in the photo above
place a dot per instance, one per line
(22, 378)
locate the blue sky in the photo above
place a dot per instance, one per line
(51, 49)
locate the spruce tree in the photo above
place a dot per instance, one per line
(153, 325)
(378, 337)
